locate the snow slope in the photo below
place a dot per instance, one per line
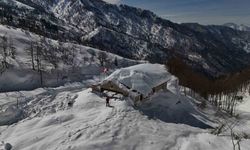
(16, 4)
(20, 76)
(167, 121)
(243, 110)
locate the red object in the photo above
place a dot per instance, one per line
(105, 70)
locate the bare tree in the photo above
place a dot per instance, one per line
(65, 53)
(102, 57)
(53, 57)
(4, 47)
(39, 60)
(30, 50)
(235, 138)
(12, 49)
(73, 56)
(86, 59)
(92, 57)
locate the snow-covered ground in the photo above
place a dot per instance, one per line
(91, 125)
(243, 111)
(72, 117)
(244, 107)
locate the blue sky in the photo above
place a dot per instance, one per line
(201, 11)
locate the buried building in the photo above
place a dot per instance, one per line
(138, 82)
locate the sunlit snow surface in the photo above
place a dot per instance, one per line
(160, 123)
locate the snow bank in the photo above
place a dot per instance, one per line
(169, 107)
(142, 77)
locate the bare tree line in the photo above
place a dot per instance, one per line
(7, 51)
(41, 51)
(45, 56)
(228, 128)
(223, 92)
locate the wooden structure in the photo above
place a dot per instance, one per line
(126, 91)
(136, 96)
(111, 86)
(160, 87)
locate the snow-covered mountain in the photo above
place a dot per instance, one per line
(241, 27)
(52, 58)
(133, 33)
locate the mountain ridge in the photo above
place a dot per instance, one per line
(240, 27)
(140, 34)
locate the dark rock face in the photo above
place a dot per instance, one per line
(136, 33)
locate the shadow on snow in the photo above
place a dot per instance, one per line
(170, 108)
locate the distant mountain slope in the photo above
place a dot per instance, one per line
(241, 27)
(135, 33)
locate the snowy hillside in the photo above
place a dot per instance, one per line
(60, 63)
(73, 117)
(16, 4)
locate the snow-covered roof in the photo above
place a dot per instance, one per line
(142, 77)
